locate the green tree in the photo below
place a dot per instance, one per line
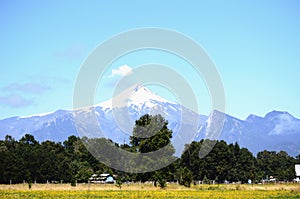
(205, 180)
(185, 176)
(150, 134)
(242, 164)
(28, 150)
(279, 165)
(224, 162)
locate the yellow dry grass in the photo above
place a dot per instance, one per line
(139, 191)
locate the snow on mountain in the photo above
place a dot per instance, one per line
(136, 101)
(284, 123)
(115, 119)
(276, 131)
(137, 96)
(42, 126)
(36, 115)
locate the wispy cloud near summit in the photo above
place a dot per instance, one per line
(121, 71)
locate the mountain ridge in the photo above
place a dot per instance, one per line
(277, 130)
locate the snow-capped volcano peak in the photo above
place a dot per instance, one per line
(142, 94)
(137, 95)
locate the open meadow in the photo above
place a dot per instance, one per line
(149, 191)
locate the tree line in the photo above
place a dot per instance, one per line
(69, 161)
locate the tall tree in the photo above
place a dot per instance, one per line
(150, 134)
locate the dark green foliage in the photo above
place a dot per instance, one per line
(205, 180)
(150, 134)
(232, 163)
(29, 160)
(279, 165)
(185, 176)
(119, 183)
(29, 185)
(162, 182)
(160, 178)
(73, 182)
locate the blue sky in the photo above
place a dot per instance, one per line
(255, 46)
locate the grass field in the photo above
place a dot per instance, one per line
(148, 191)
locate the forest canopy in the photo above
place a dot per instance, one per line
(29, 160)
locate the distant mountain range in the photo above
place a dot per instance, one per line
(276, 131)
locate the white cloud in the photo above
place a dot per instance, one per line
(121, 71)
